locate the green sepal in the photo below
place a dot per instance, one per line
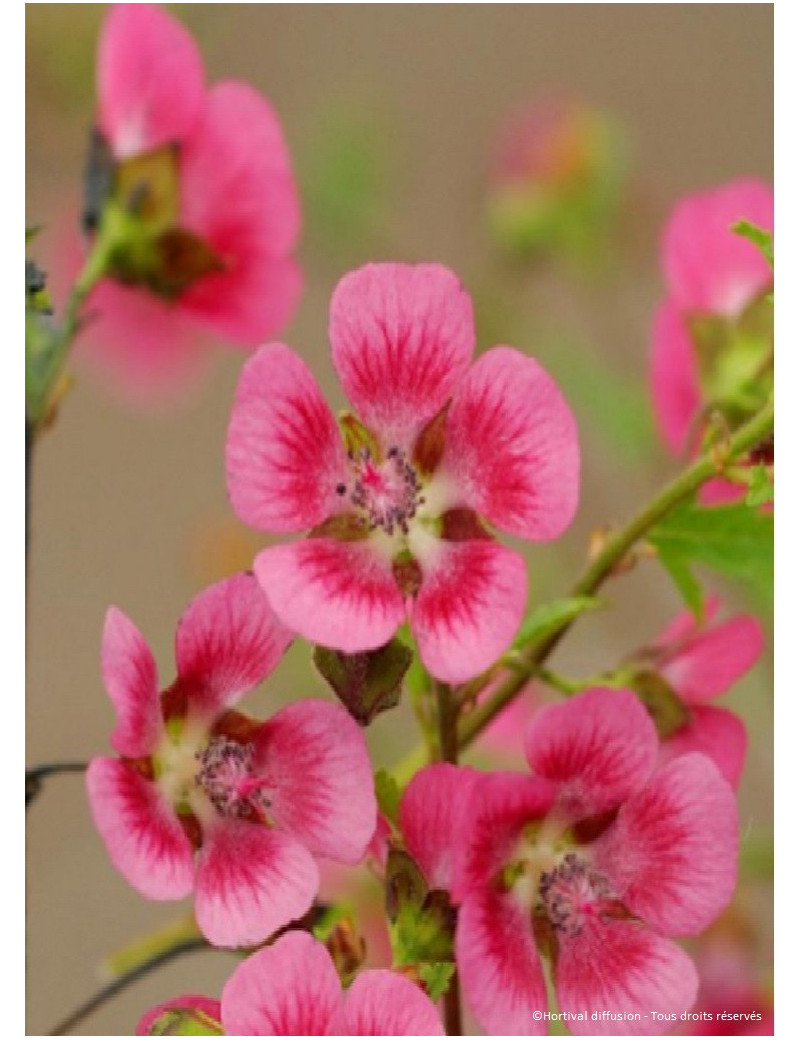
(760, 488)
(666, 709)
(422, 921)
(436, 976)
(760, 238)
(366, 683)
(186, 1021)
(388, 794)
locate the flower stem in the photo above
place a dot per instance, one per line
(36, 774)
(108, 992)
(616, 549)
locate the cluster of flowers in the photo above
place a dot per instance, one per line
(622, 835)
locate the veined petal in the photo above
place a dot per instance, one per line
(149, 79)
(202, 1007)
(338, 594)
(499, 964)
(383, 1003)
(287, 989)
(318, 778)
(709, 268)
(143, 836)
(238, 193)
(284, 453)
(130, 677)
(433, 814)
(674, 377)
(710, 662)
(624, 968)
(228, 640)
(598, 748)
(251, 881)
(402, 337)
(468, 608)
(715, 732)
(671, 853)
(511, 445)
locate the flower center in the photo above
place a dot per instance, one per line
(388, 493)
(226, 777)
(572, 892)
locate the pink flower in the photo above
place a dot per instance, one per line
(291, 988)
(715, 279)
(701, 661)
(439, 447)
(594, 862)
(227, 269)
(206, 798)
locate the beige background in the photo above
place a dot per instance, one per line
(131, 509)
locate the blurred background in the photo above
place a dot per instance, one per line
(402, 120)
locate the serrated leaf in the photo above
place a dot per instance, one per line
(760, 489)
(387, 792)
(550, 618)
(734, 540)
(758, 236)
(436, 976)
(685, 581)
(366, 683)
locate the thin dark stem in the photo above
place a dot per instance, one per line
(30, 433)
(452, 1007)
(110, 991)
(36, 774)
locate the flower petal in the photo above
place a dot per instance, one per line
(339, 594)
(468, 608)
(402, 337)
(672, 851)
(193, 1008)
(287, 989)
(318, 778)
(599, 748)
(708, 267)
(511, 445)
(239, 195)
(228, 640)
(625, 969)
(383, 1003)
(674, 377)
(251, 881)
(715, 732)
(499, 965)
(433, 813)
(710, 662)
(130, 676)
(149, 79)
(284, 453)
(146, 349)
(499, 805)
(143, 836)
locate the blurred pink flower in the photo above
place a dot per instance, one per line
(396, 510)
(711, 274)
(291, 988)
(236, 196)
(597, 859)
(731, 1000)
(701, 661)
(206, 798)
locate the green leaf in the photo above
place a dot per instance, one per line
(366, 683)
(734, 540)
(422, 922)
(760, 488)
(31, 233)
(758, 236)
(685, 581)
(436, 976)
(387, 792)
(551, 618)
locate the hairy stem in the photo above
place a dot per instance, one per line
(613, 552)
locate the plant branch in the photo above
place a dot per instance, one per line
(108, 992)
(36, 774)
(613, 552)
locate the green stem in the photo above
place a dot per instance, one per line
(616, 549)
